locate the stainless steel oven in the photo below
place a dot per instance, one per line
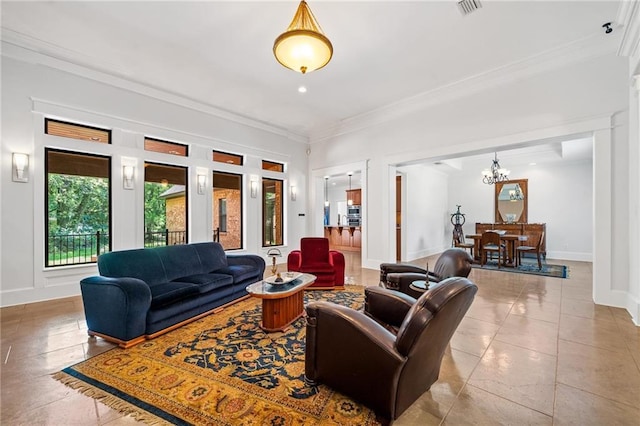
(353, 211)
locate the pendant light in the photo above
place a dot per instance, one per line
(350, 200)
(326, 199)
(303, 47)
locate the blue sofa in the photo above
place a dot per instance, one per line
(143, 293)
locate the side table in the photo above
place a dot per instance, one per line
(419, 285)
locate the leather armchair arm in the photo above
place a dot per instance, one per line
(343, 343)
(387, 306)
(116, 307)
(391, 268)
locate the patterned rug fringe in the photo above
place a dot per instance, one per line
(109, 400)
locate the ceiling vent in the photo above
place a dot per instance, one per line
(468, 6)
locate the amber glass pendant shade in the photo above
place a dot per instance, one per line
(303, 47)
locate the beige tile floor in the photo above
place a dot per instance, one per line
(531, 350)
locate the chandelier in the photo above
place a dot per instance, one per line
(303, 47)
(496, 173)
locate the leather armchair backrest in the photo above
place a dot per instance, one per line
(448, 301)
(453, 263)
(314, 250)
(425, 333)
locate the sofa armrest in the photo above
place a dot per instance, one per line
(294, 260)
(336, 259)
(116, 307)
(387, 306)
(247, 259)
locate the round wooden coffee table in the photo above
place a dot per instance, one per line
(282, 304)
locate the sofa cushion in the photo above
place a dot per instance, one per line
(171, 292)
(144, 264)
(211, 255)
(179, 261)
(207, 282)
(240, 272)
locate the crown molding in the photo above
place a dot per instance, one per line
(33, 50)
(629, 18)
(581, 50)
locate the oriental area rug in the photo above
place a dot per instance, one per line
(220, 370)
(529, 266)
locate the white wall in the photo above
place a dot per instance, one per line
(425, 207)
(558, 195)
(32, 92)
(579, 98)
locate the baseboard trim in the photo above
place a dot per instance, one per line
(34, 295)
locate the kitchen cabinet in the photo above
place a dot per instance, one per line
(355, 195)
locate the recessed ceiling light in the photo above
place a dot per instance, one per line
(302, 89)
(532, 164)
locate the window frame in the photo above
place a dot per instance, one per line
(279, 237)
(186, 200)
(46, 203)
(48, 120)
(279, 169)
(230, 154)
(241, 180)
(166, 142)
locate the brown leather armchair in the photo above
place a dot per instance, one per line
(452, 262)
(358, 353)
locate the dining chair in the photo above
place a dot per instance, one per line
(536, 248)
(490, 243)
(459, 242)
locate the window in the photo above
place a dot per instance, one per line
(157, 145)
(274, 167)
(222, 214)
(225, 157)
(76, 131)
(272, 212)
(227, 202)
(78, 207)
(165, 205)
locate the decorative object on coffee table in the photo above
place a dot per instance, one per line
(273, 253)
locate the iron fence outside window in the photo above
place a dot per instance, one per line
(76, 249)
(164, 238)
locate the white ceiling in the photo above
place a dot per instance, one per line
(220, 53)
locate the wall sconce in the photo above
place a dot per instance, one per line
(202, 181)
(294, 193)
(20, 167)
(254, 188)
(127, 177)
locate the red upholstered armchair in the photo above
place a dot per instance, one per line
(314, 257)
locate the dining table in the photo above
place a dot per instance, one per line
(510, 241)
